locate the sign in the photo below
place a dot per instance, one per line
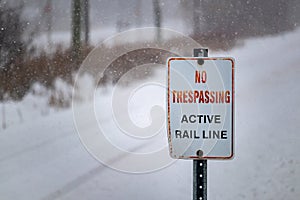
(200, 107)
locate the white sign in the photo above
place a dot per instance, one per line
(200, 107)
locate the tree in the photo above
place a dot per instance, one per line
(196, 17)
(86, 22)
(13, 47)
(48, 12)
(12, 44)
(157, 18)
(137, 13)
(76, 30)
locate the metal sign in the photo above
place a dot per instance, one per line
(200, 106)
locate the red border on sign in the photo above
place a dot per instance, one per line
(232, 108)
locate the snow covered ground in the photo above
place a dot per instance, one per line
(41, 156)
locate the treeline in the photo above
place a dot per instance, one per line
(219, 24)
(21, 64)
(216, 24)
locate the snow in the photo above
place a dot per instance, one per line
(42, 157)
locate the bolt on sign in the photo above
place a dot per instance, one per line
(200, 106)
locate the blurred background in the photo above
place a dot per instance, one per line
(44, 40)
(43, 43)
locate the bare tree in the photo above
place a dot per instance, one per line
(86, 21)
(76, 30)
(137, 13)
(13, 50)
(12, 45)
(48, 11)
(157, 18)
(196, 17)
(3, 117)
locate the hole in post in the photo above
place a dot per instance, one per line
(199, 153)
(200, 61)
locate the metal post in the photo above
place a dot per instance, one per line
(200, 179)
(200, 52)
(200, 166)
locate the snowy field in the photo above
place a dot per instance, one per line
(42, 157)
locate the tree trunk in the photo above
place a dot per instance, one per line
(196, 17)
(3, 116)
(76, 30)
(86, 21)
(157, 18)
(138, 5)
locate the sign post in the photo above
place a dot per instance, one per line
(200, 166)
(200, 110)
